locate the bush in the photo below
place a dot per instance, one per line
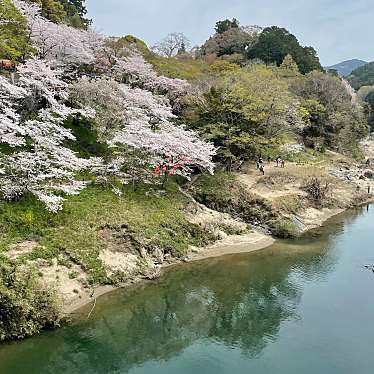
(284, 228)
(317, 189)
(26, 305)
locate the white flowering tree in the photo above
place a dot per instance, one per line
(105, 96)
(172, 44)
(133, 115)
(58, 42)
(137, 72)
(176, 151)
(36, 161)
(145, 125)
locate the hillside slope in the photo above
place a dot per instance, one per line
(362, 76)
(345, 68)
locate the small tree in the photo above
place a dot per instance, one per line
(132, 118)
(289, 66)
(39, 163)
(58, 42)
(223, 26)
(14, 41)
(317, 189)
(172, 44)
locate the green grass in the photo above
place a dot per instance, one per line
(150, 220)
(290, 204)
(188, 69)
(285, 228)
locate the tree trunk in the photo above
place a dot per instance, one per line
(165, 181)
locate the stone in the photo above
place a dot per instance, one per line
(158, 253)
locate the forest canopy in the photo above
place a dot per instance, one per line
(70, 11)
(111, 108)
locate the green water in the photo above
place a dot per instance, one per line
(304, 306)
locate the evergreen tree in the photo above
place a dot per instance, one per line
(289, 67)
(51, 9)
(223, 26)
(70, 11)
(275, 43)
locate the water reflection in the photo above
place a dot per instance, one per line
(236, 301)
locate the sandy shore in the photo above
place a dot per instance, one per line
(233, 244)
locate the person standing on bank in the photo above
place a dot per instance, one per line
(262, 169)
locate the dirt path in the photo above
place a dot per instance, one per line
(272, 191)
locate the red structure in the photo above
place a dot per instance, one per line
(7, 65)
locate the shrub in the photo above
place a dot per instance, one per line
(26, 305)
(284, 228)
(317, 189)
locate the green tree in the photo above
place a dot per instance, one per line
(27, 305)
(335, 120)
(52, 9)
(70, 11)
(289, 66)
(243, 112)
(275, 43)
(223, 26)
(370, 100)
(14, 40)
(221, 66)
(76, 13)
(235, 40)
(362, 76)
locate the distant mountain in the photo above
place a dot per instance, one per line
(345, 68)
(362, 76)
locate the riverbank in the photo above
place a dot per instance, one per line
(244, 313)
(101, 242)
(231, 245)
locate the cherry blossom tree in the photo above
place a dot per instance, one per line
(175, 149)
(137, 72)
(11, 132)
(130, 107)
(147, 125)
(39, 163)
(60, 42)
(105, 96)
(144, 123)
(350, 91)
(172, 44)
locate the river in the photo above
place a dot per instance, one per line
(300, 306)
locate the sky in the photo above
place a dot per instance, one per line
(338, 29)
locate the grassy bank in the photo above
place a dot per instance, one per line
(145, 218)
(225, 193)
(40, 249)
(287, 201)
